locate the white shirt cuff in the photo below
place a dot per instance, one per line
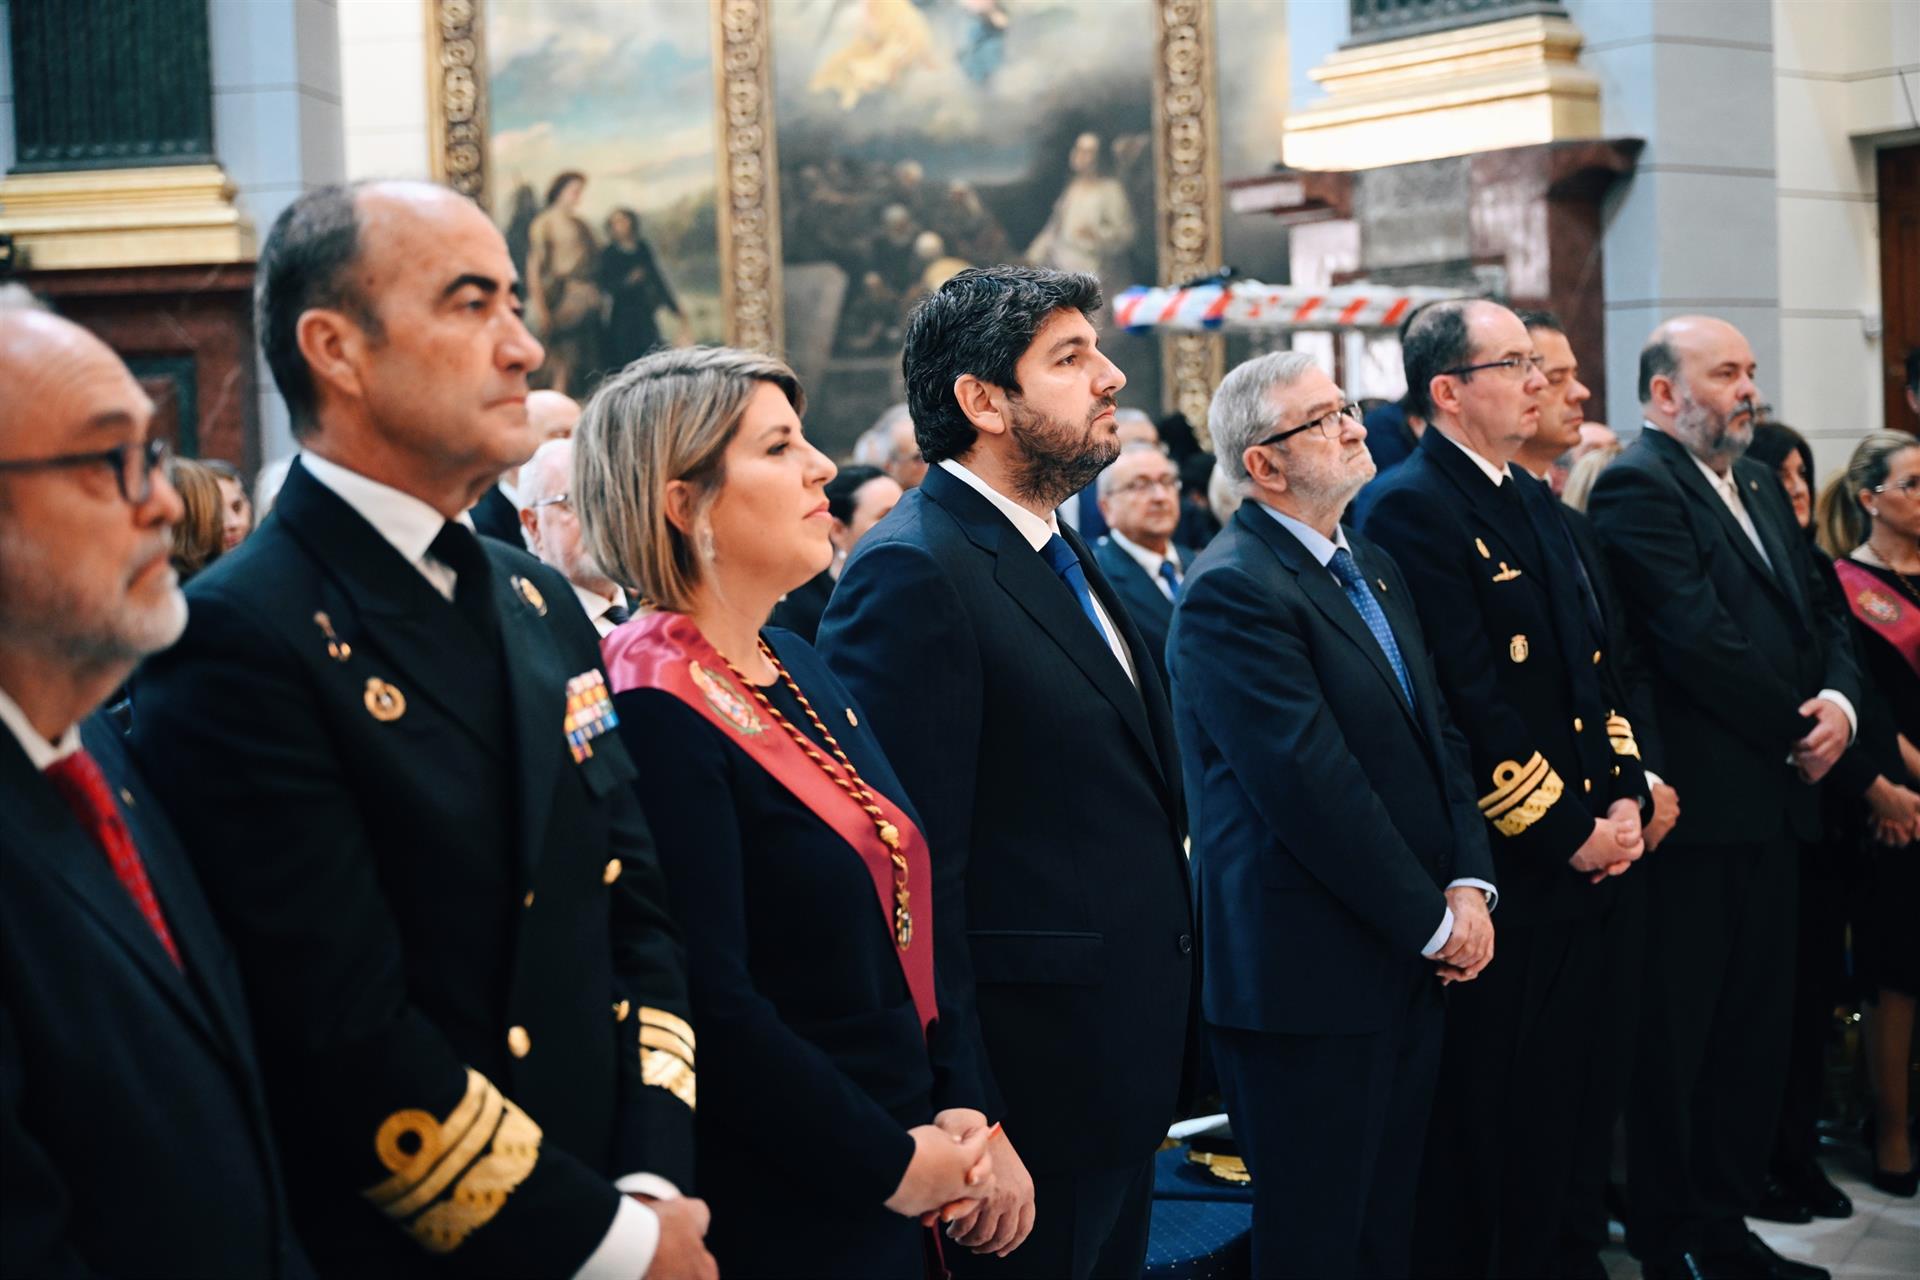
(1445, 931)
(1655, 780)
(1841, 701)
(626, 1251)
(651, 1185)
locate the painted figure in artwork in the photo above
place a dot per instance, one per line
(637, 292)
(1091, 228)
(564, 298)
(893, 38)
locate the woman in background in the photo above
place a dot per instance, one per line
(200, 536)
(858, 498)
(236, 510)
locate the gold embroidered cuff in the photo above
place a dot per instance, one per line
(673, 1024)
(1521, 794)
(458, 1174)
(1620, 737)
(668, 1071)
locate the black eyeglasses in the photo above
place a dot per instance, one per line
(1521, 364)
(1329, 424)
(133, 465)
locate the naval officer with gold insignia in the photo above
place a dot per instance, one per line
(1559, 778)
(393, 761)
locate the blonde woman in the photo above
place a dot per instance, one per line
(838, 1110)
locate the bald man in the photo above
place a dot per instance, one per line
(552, 532)
(132, 1118)
(551, 416)
(1755, 688)
(385, 739)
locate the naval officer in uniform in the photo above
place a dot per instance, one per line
(388, 746)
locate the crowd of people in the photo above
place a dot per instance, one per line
(728, 862)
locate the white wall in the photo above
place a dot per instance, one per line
(383, 63)
(1838, 93)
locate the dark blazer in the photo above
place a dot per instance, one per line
(1050, 789)
(800, 609)
(431, 908)
(496, 517)
(1520, 658)
(791, 961)
(1734, 647)
(1625, 668)
(133, 1129)
(1328, 816)
(1146, 604)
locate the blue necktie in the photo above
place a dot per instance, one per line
(1059, 556)
(1356, 588)
(1170, 576)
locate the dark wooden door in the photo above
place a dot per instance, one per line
(1899, 276)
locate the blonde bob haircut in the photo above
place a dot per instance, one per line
(665, 417)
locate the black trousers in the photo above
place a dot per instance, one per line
(1088, 1225)
(1819, 983)
(1331, 1129)
(1713, 1046)
(1610, 1061)
(1500, 1149)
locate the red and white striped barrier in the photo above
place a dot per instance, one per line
(1248, 304)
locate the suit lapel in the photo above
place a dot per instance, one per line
(1763, 513)
(409, 622)
(1682, 464)
(1136, 587)
(1023, 575)
(1320, 588)
(1519, 546)
(538, 690)
(46, 834)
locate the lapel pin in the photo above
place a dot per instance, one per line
(531, 594)
(1383, 585)
(853, 721)
(1506, 574)
(337, 649)
(1480, 545)
(1754, 485)
(1517, 648)
(384, 702)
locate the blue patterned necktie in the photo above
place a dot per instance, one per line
(1059, 556)
(1356, 588)
(1170, 576)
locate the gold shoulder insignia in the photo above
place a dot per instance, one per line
(451, 1178)
(666, 1053)
(1620, 736)
(1521, 794)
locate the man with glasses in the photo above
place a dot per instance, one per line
(552, 532)
(1522, 659)
(1140, 500)
(1339, 863)
(132, 1117)
(1756, 687)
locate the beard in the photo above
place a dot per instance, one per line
(42, 608)
(1057, 458)
(1710, 434)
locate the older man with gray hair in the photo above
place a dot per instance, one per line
(1332, 816)
(890, 445)
(1140, 497)
(552, 533)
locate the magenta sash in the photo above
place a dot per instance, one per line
(666, 651)
(1882, 609)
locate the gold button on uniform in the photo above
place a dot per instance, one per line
(612, 872)
(1588, 783)
(1577, 726)
(1596, 657)
(528, 900)
(1616, 771)
(519, 1043)
(621, 1010)
(126, 797)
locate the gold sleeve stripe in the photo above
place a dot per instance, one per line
(1512, 781)
(484, 1150)
(1620, 737)
(655, 1038)
(1518, 819)
(668, 1022)
(666, 1071)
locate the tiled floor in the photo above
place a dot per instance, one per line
(1881, 1241)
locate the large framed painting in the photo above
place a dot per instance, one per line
(795, 174)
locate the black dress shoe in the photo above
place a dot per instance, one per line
(1903, 1185)
(1688, 1266)
(1765, 1262)
(1809, 1184)
(1780, 1204)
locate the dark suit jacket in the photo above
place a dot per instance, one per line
(1625, 669)
(133, 1129)
(431, 909)
(496, 517)
(1498, 591)
(791, 961)
(1146, 604)
(1734, 647)
(1050, 788)
(1328, 816)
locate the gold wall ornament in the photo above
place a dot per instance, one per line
(748, 199)
(1187, 190)
(457, 96)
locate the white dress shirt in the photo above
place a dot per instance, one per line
(1321, 548)
(1497, 474)
(1149, 560)
(597, 605)
(1730, 495)
(1036, 531)
(410, 526)
(41, 754)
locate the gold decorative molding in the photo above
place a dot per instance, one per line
(748, 195)
(457, 96)
(1513, 83)
(172, 215)
(1187, 189)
